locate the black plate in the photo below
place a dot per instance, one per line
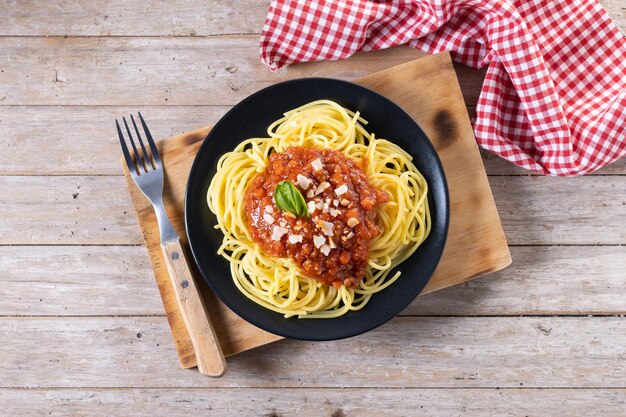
(250, 118)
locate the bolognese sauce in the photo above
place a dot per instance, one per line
(332, 244)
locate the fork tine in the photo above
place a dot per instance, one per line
(146, 155)
(155, 151)
(129, 160)
(138, 158)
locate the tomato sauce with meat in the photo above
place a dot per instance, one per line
(332, 245)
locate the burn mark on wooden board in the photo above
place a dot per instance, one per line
(446, 128)
(193, 139)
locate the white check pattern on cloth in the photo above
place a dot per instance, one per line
(554, 97)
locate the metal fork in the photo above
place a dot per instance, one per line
(146, 170)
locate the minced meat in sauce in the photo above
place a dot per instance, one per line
(332, 245)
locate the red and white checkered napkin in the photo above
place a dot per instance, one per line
(554, 98)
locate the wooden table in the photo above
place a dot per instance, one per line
(82, 330)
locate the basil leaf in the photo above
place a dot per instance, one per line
(288, 198)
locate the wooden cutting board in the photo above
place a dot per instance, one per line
(428, 90)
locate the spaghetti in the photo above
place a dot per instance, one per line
(398, 213)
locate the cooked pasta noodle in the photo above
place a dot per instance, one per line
(277, 283)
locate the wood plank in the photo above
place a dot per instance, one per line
(77, 280)
(157, 71)
(81, 140)
(551, 211)
(533, 210)
(119, 17)
(541, 280)
(66, 210)
(407, 352)
(155, 18)
(314, 402)
(111, 280)
(66, 138)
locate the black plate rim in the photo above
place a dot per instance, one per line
(281, 332)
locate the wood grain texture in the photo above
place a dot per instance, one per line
(308, 402)
(156, 71)
(81, 140)
(77, 140)
(435, 352)
(113, 280)
(586, 211)
(198, 322)
(155, 18)
(119, 17)
(476, 243)
(77, 280)
(66, 210)
(541, 280)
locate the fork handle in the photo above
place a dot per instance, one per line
(209, 355)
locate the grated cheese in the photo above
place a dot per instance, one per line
(278, 232)
(318, 241)
(293, 239)
(303, 181)
(327, 227)
(341, 190)
(322, 187)
(317, 164)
